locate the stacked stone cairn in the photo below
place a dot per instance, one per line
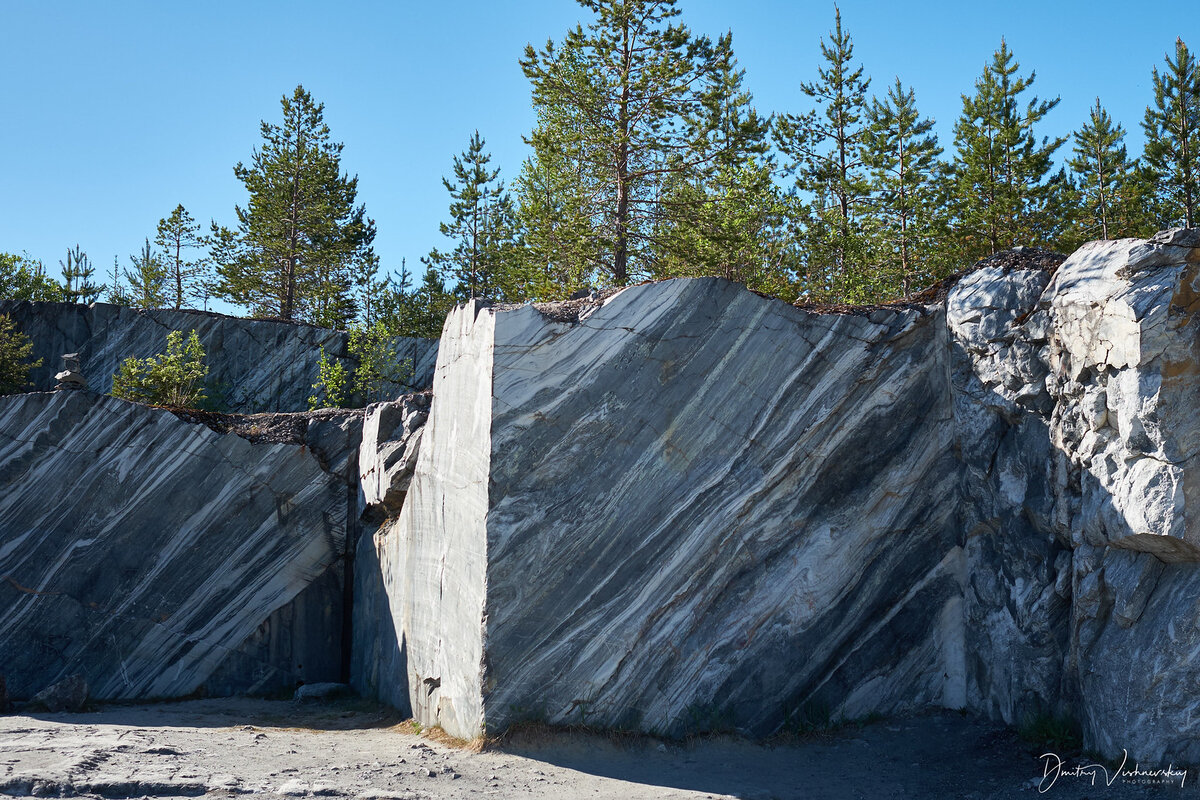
(70, 377)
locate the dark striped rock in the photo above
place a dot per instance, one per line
(254, 365)
(694, 508)
(157, 558)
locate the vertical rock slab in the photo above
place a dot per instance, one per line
(158, 558)
(692, 508)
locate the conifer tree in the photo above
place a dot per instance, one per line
(632, 85)
(1172, 129)
(301, 233)
(1104, 176)
(77, 272)
(482, 225)
(115, 289)
(823, 148)
(147, 279)
(554, 201)
(1005, 195)
(901, 151)
(178, 239)
(726, 221)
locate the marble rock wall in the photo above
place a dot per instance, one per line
(254, 365)
(159, 558)
(695, 508)
(1125, 356)
(1076, 420)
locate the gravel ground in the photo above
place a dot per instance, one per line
(224, 748)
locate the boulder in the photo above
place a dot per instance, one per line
(68, 694)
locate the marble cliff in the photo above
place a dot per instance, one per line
(679, 507)
(254, 365)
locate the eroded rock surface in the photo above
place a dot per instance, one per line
(254, 365)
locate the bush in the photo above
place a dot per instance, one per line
(376, 373)
(174, 378)
(15, 349)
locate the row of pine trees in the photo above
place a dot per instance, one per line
(649, 161)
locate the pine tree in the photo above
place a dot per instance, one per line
(631, 88)
(1172, 129)
(77, 272)
(553, 209)
(482, 225)
(301, 233)
(1104, 176)
(115, 290)
(178, 237)
(727, 220)
(901, 151)
(1005, 195)
(15, 364)
(824, 152)
(147, 279)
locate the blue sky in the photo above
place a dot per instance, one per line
(114, 112)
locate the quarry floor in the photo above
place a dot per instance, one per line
(230, 747)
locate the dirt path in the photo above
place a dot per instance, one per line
(223, 748)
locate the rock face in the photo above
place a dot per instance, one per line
(676, 508)
(1076, 414)
(254, 365)
(156, 558)
(695, 508)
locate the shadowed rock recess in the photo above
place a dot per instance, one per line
(675, 508)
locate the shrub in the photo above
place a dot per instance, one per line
(377, 370)
(331, 387)
(15, 349)
(174, 378)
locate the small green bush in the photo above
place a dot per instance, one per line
(377, 370)
(15, 349)
(174, 378)
(331, 388)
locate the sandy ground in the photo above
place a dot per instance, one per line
(224, 748)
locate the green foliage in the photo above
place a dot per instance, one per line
(621, 107)
(1110, 195)
(376, 373)
(901, 153)
(24, 278)
(1004, 193)
(301, 235)
(378, 368)
(179, 240)
(332, 389)
(482, 226)
(174, 378)
(15, 349)
(77, 272)
(1172, 127)
(823, 149)
(147, 279)
(1059, 733)
(419, 312)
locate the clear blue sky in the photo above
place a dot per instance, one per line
(113, 112)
